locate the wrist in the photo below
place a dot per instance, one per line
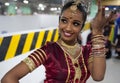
(97, 33)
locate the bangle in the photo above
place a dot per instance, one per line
(100, 56)
(29, 63)
(96, 39)
(96, 36)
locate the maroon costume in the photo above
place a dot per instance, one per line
(59, 65)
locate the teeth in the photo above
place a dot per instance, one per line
(67, 34)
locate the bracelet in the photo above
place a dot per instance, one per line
(96, 36)
(98, 49)
(29, 63)
(100, 56)
(98, 45)
(98, 39)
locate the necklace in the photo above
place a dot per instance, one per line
(73, 50)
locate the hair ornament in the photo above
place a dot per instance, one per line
(74, 6)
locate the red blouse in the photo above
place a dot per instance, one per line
(59, 65)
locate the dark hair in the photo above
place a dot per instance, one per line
(80, 7)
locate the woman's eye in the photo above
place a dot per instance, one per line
(76, 23)
(64, 20)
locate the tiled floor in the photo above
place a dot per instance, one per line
(112, 73)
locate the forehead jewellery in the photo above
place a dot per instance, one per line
(74, 6)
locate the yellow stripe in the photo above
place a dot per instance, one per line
(49, 36)
(56, 35)
(111, 36)
(87, 26)
(1, 38)
(12, 47)
(40, 39)
(28, 42)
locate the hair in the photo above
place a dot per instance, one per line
(80, 7)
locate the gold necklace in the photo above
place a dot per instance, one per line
(74, 50)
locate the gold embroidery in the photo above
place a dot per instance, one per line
(38, 57)
(43, 53)
(29, 62)
(67, 80)
(35, 59)
(85, 70)
(71, 50)
(41, 57)
(74, 61)
(77, 70)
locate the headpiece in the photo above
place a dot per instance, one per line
(74, 6)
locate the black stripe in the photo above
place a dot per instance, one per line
(45, 37)
(53, 35)
(34, 40)
(4, 47)
(21, 44)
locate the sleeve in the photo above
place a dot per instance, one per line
(36, 58)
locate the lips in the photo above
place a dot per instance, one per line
(67, 34)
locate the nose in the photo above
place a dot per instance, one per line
(69, 27)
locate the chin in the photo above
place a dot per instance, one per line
(66, 39)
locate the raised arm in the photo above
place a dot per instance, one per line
(98, 66)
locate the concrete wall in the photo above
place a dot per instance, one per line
(22, 23)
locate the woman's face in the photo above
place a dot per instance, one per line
(70, 25)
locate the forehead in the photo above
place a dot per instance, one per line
(77, 15)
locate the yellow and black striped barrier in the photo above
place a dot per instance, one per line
(13, 45)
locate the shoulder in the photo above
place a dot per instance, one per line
(48, 45)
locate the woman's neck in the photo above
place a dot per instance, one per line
(68, 43)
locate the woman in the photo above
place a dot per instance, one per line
(66, 61)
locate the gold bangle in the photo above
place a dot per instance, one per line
(95, 39)
(29, 62)
(98, 46)
(96, 36)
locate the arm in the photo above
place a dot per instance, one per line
(98, 66)
(27, 65)
(16, 73)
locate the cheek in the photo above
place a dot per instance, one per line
(77, 30)
(61, 26)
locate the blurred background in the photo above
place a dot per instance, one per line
(17, 12)
(26, 25)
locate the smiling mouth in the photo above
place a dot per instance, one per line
(67, 34)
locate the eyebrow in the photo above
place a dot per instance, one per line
(77, 21)
(74, 20)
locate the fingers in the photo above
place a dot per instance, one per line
(101, 9)
(111, 16)
(99, 5)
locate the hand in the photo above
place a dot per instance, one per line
(100, 20)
